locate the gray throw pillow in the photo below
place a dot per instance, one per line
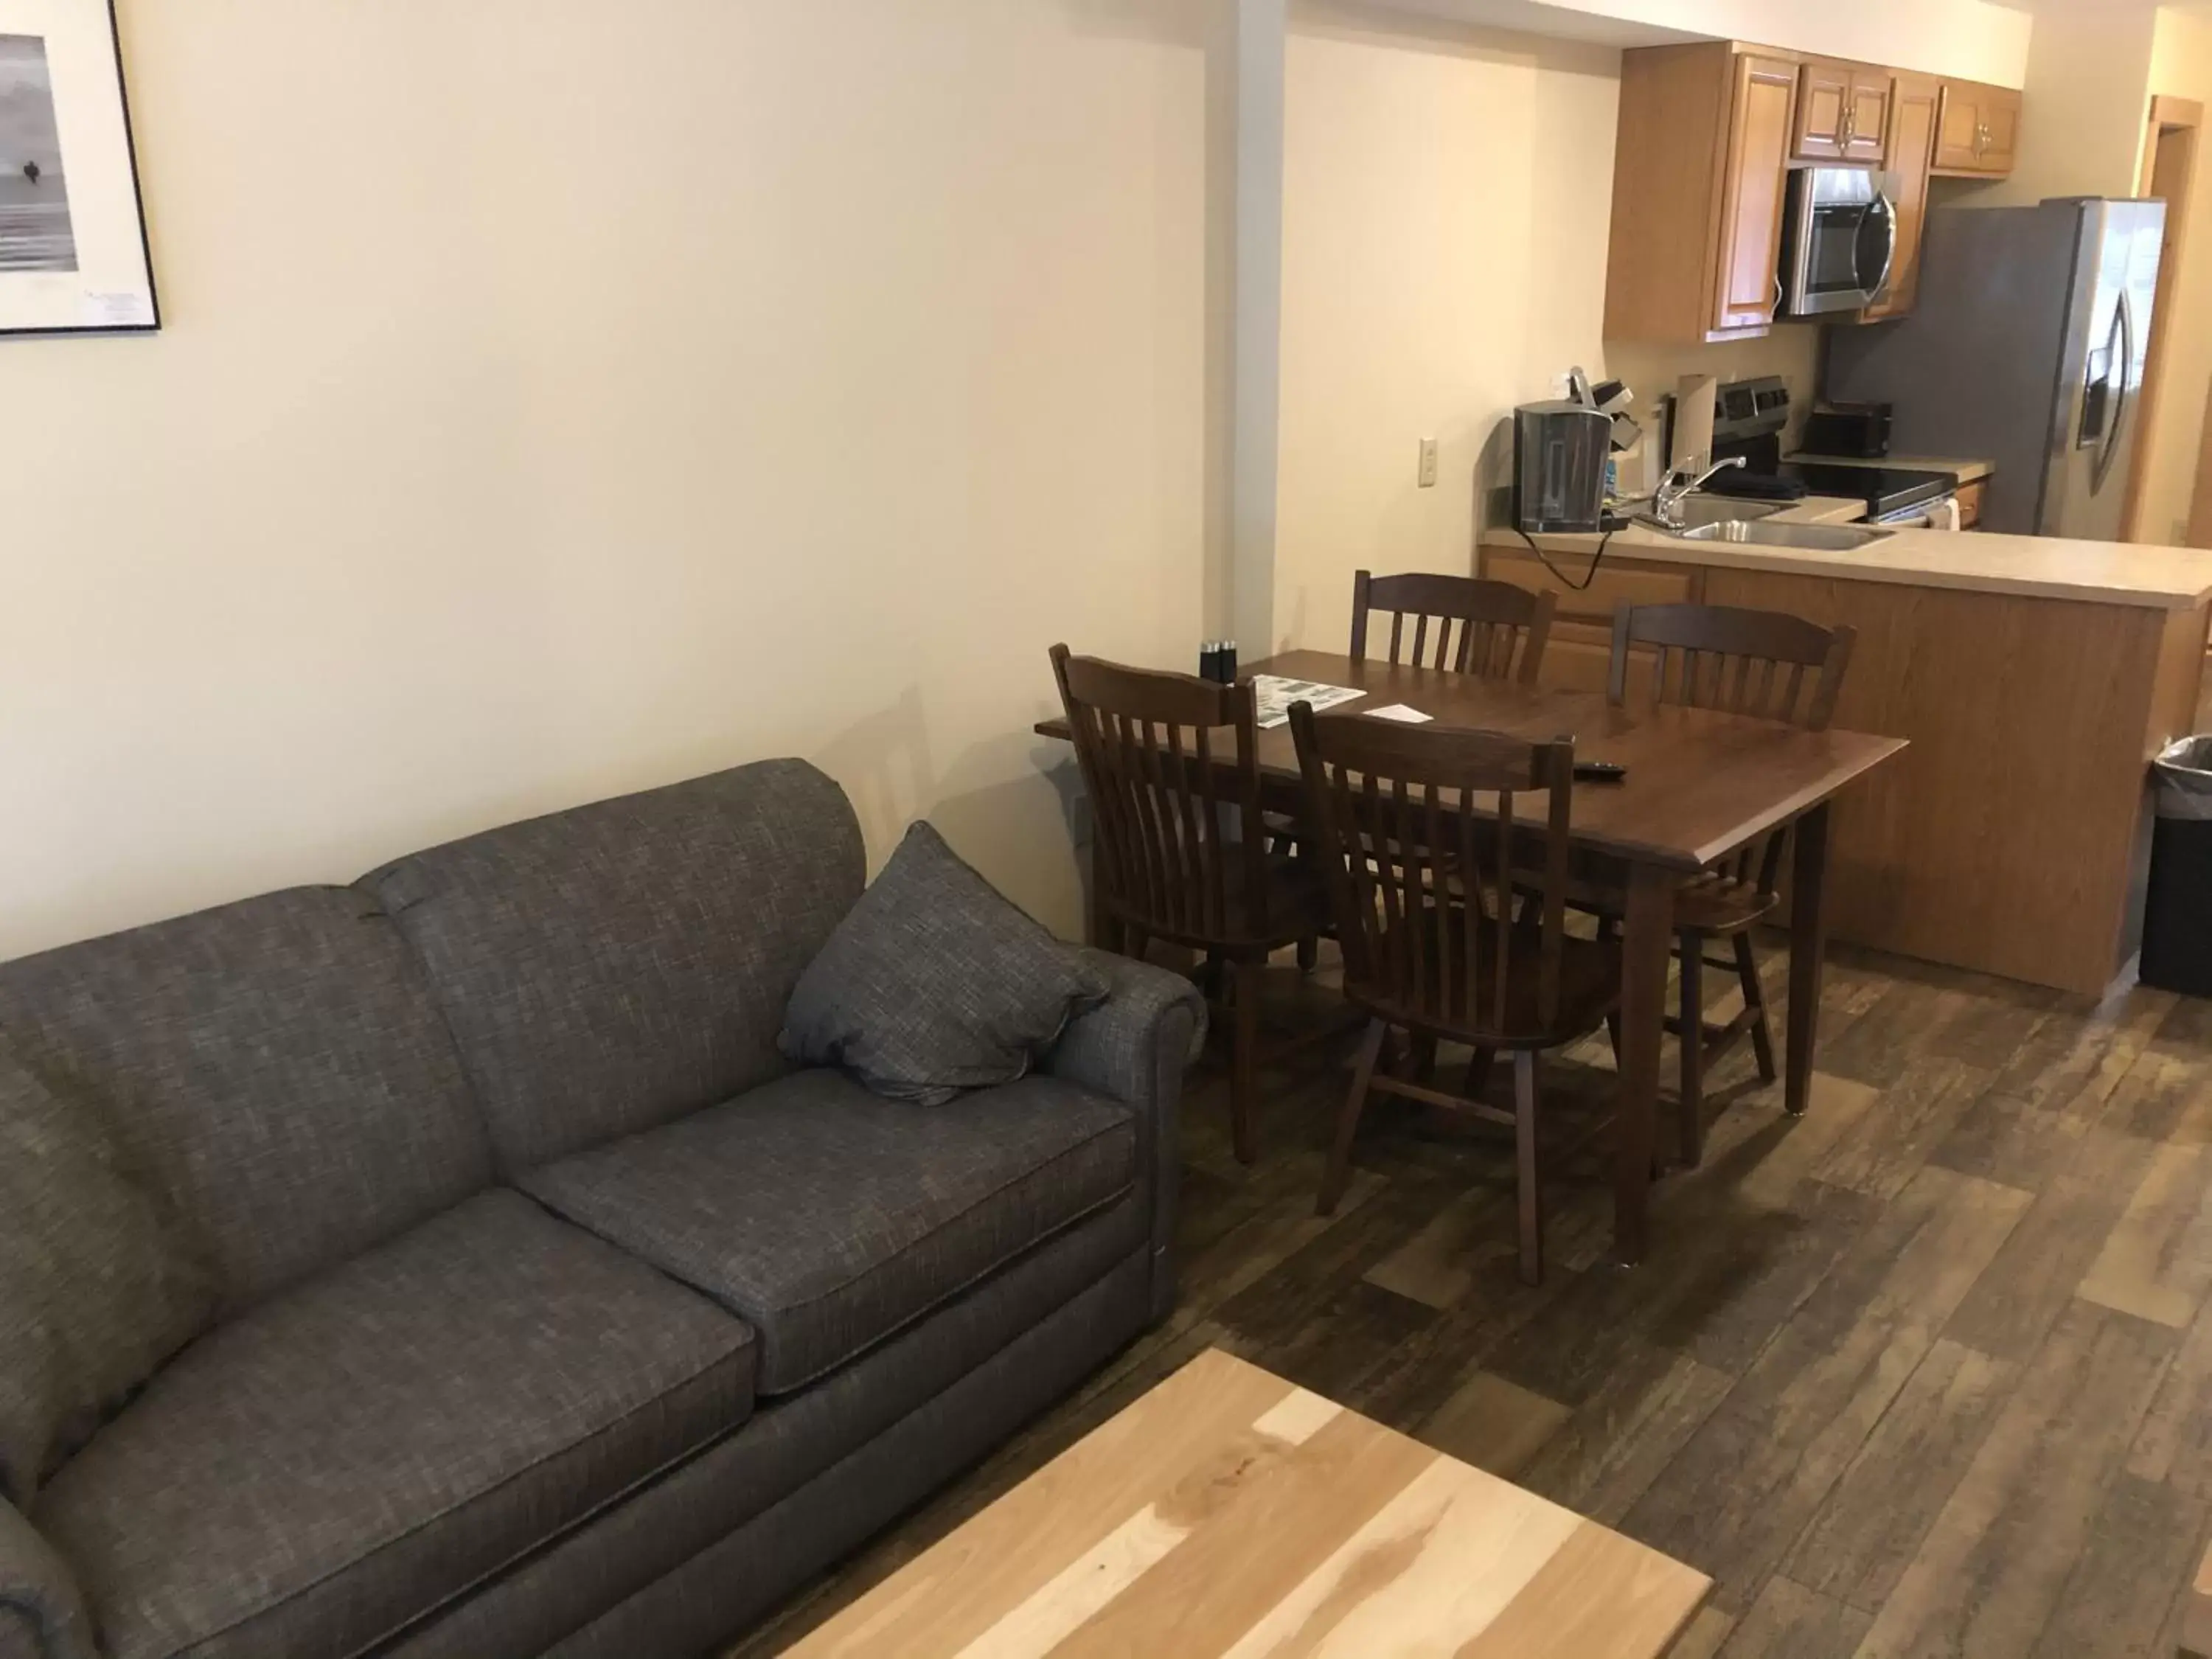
(933, 983)
(96, 1288)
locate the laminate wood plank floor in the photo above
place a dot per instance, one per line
(1927, 1372)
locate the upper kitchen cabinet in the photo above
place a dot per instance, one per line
(1978, 135)
(1698, 185)
(1916, 113)
(1843, 112)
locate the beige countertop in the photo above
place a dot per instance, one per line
(2108, 573)
(1967, 470)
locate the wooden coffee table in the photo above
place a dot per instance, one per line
(1229, 1513)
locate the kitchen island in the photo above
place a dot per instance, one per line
(2035, 678)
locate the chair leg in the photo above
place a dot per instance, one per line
(1244, 1063)
(1478, 1071)
(1692, 1105)
(1309, 954)
(1424, 1056)
(1338, 1172)
(1754, 998)
(1608, 930)
(1529, 1189)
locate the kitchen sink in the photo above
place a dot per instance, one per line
(1824, 538)
(1700, 510)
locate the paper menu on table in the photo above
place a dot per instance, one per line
(1274, 696)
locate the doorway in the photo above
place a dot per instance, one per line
(2168, 171)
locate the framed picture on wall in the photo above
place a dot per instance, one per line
(73, 251)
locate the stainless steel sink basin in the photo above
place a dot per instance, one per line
(1699, 510)
(1824, 538)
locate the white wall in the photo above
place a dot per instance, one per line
(2181, 67)
(557, 401)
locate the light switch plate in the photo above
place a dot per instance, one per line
(1428, 462)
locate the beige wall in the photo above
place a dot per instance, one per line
(1446, 198)
(1975, 38)
(556, 401)
(2081, 130)
(2181, 67)
(1447, 201)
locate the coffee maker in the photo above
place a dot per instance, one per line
(1560, 452)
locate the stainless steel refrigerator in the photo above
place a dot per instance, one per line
(2026, 348)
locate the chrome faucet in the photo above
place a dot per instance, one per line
(1679, 482)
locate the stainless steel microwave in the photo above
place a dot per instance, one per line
(1838, 238)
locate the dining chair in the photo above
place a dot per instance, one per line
(1497, 625)
(1422, 877)
(1769, 665)
(1172, 767)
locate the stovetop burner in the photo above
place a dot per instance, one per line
(1884, 489)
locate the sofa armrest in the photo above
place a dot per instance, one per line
(42, 1612)
(1134, 1046)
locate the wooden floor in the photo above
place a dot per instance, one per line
(1927, 1372)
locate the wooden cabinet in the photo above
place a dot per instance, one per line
(1750, 251)
(1970, 502)
(1915, 114)
(1697, 192)
(1843, 112)
(1978, 134)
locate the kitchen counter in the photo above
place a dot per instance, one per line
(1966, 472)
(2034, 679)
(2036, 567)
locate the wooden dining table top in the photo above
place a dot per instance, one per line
(1700, 783)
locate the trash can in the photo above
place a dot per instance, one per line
(2177, 938)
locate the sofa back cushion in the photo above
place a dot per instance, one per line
(276, 1069)
(97, 1285)
(616, 966)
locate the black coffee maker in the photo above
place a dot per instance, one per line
(1560, 452)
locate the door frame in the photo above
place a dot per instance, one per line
(2168, 171)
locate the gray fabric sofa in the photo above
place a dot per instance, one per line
(555, 1312)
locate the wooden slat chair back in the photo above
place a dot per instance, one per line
(1463, 623)
(1416, 829)
(1770, 665)
(1427, 835)
(1766, 664)
(1171, 764)
(1162, 754)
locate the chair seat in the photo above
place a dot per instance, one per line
(1296, 909)
(1590, 988)
(341, 1461)
(831, 1218)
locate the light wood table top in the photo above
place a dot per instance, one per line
(1228, 1514)
(1700, 784)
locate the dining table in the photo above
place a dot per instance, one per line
(1698, 785)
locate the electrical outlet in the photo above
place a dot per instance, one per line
(1428, 462)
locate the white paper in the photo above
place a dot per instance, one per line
(1274, 696)
(125, 310)
(1398, 711)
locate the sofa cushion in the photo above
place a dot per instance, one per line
(830, 1217)
(612, 968)
(935, 983)
(350, 1456)
(277, 1067)
(96, 1287)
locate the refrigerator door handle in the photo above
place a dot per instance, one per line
(1887, 210)
(2124, 321)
